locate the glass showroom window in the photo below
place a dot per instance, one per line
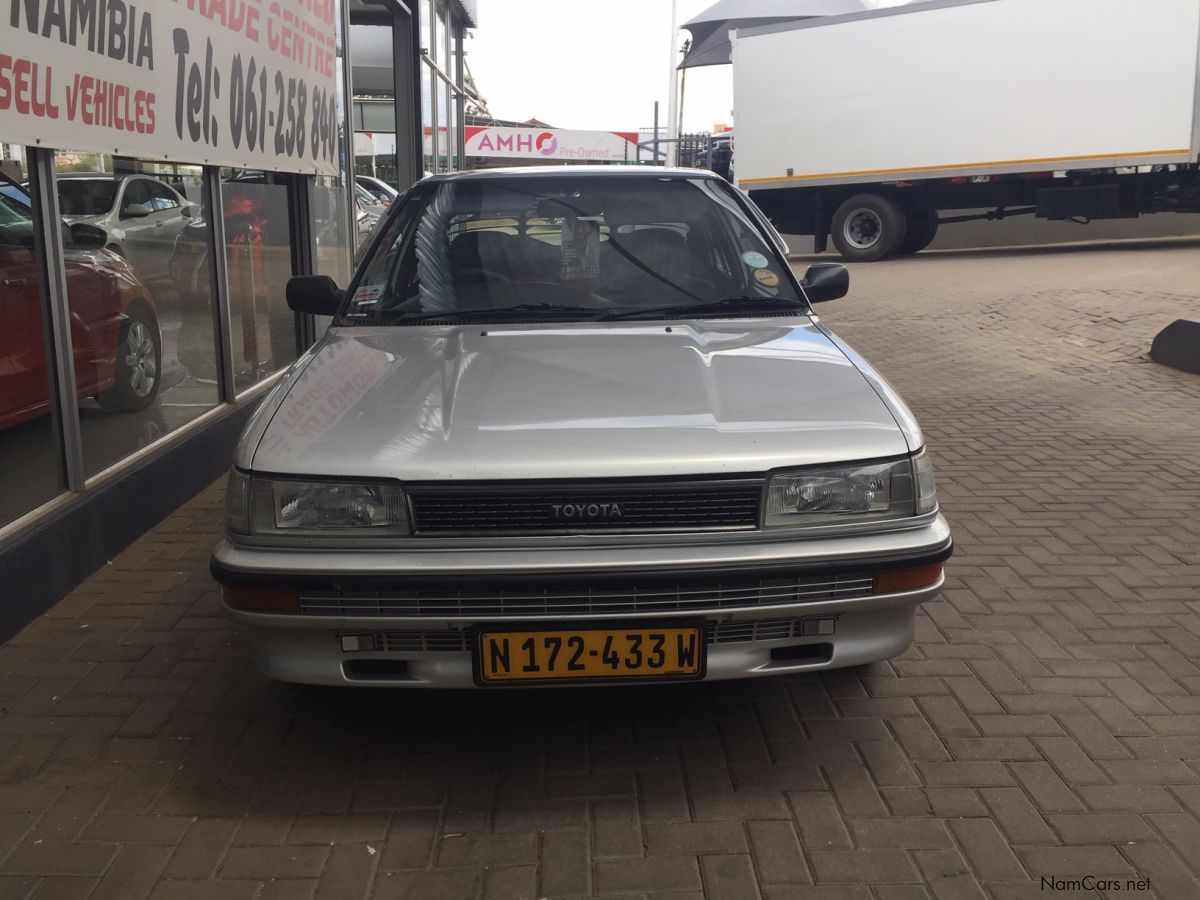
(442, 93)
(328, 202)
(258, 263)
(453, 153)
(445, 152)
(141, 306)
(328, 196)
(451, 68)
(427, 119)
(429, 43)
(454, 65)
(440, 33)
(375, 152)
(30, 453)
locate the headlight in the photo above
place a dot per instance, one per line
(305, 508)
(848, 494)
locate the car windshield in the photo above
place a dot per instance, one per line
(364, 196)
(597, 246)
(16, 222)
(86, 196)
(378, 191)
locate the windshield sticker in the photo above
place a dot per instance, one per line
(766, 278)
(368, 294)
(755, 260)
(580, 250)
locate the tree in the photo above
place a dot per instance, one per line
(476, 104)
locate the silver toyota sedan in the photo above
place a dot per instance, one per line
(577, 426)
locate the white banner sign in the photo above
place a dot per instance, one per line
(551, 144)
(244, 83)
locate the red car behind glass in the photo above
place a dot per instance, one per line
(114, 327)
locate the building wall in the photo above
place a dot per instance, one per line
(143, 317)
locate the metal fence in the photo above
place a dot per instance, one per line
(695, 150)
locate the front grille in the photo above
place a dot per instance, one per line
(582, 506)
(764, 630)
(451, 640)
(448, 640)
(649, 596)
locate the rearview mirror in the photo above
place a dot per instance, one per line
(825, 281)
(134, 211)
(317, 295)
(553, 208)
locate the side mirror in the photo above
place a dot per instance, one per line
(317, 295)
(825, 281)
(87, 236)
(189, 211)
(134, 211)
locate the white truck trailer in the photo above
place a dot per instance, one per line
(870, 128)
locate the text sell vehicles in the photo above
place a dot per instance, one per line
(577, 426)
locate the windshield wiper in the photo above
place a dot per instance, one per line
(752, 304)
(468, 315)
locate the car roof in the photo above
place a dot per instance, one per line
(571, 171)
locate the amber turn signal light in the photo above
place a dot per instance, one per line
(262, 600)
(893, 581)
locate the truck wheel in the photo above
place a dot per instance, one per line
(139, 359)
(868, 227)
(922, 229)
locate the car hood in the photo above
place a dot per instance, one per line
(570, 401)
(86, 220)
(102, 267)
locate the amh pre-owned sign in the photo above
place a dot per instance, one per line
(243, 83)
(550, 143)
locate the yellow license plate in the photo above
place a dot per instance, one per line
(587, 653)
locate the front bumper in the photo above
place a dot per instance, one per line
(432, 650)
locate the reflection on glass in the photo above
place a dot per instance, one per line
(427, 117)
(258, 261)
(439, 35)
(443, 125)
(328, 202)
(30, 469)
(456, 97)
(328, 198)
(141, 323)
(372, 51)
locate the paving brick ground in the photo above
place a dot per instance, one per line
(1045, 724)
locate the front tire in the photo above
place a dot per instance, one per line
(138, 365)
(922, 229)
(868, 227)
